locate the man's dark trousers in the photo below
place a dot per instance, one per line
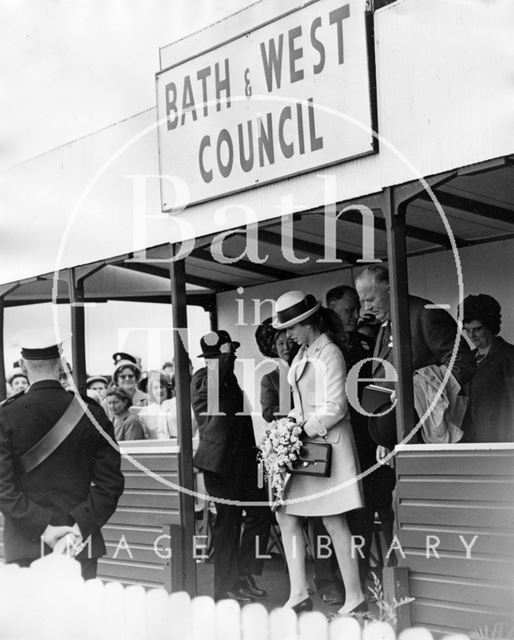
(235, 555)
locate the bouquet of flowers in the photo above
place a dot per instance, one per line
(279, 448)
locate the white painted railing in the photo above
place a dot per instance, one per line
(50, 601)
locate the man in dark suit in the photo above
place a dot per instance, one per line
(73, 488)
(344, 301)
(432, 335)
(228, 458)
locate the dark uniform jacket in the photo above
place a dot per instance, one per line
(225, 436)
(80, 482)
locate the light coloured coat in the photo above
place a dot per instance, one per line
(317, 378)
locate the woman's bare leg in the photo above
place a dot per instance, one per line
(338, 530)
(294, 547)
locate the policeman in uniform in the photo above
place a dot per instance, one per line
(74, 484)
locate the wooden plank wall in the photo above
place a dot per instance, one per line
(447, 493)
(132, 534)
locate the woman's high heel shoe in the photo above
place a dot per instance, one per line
(303, 606)
(361, 608)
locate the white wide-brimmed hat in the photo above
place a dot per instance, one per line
(293, 307)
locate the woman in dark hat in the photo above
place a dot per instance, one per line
(490, 416)
(317, 377)
(275, 391)
(126, 425)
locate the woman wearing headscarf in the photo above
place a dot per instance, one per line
(317, 377)
(126, 425)
(491, 408)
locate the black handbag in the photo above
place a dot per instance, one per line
(315, 459)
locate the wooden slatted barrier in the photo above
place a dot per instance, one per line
(456, 529)
(137, 536)
(138, 548)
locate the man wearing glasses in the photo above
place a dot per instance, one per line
(432, 337)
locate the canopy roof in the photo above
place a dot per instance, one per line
(442, 103)
(478, 203)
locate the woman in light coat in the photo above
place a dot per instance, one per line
(317, 377)
(159, 417)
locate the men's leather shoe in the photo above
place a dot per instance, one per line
(237, 594)
(248, 586)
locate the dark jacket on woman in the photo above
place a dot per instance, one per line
(491, 408)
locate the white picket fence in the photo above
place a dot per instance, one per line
(50, 601)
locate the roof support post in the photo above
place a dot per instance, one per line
(213, 318)
(395, 203)
(78, 347)
(3, 381)
(185, 439)
(394, 213)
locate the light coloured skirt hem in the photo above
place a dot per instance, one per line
(307, 510)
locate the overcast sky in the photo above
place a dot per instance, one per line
(70, 67)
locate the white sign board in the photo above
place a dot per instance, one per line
(285, 98)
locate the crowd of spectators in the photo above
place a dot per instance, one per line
(148, 398)
(143, 405)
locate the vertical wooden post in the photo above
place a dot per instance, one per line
(213, 318)
(173, 576)
(395, 583)
(400, 325)
(3, 381)
(185, 439)
(78, 347)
